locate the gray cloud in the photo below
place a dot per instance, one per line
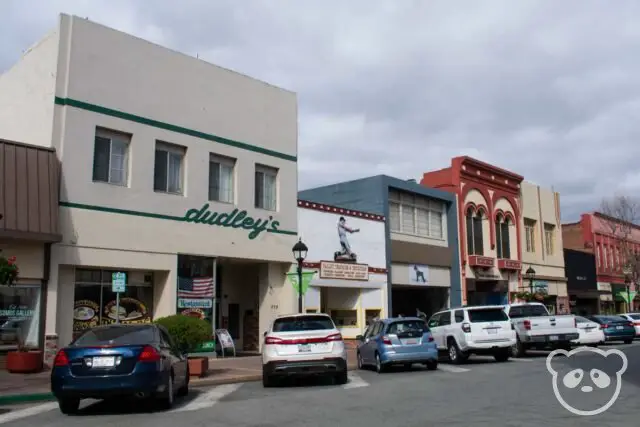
(546, 89)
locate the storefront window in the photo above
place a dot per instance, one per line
(371, 316)
(19, 316)
(345, 318)
(195, 287)
(95, 303)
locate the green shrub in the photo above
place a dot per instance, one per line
(187, 332)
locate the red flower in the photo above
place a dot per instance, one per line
(11, 260)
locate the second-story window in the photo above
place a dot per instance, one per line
(475, 241)
(549, 230)
(110, 156)
(266, 187)
(530, 234)
(416, 215)
(168, 173)
(503, 243)
(221, 182)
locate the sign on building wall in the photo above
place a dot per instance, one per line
(336, 237)
(418, 274)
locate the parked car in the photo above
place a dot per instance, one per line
(303, 345)
(615, 328)
(536, 328)
(589, 332)
(473, 330)
(635, 319)
(120, 361)
(397, 341)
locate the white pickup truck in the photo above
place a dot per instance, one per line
(536, 329)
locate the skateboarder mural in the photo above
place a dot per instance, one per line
(345, 253)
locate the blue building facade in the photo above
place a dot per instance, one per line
(411, 243)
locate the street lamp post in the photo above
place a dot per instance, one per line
(530, 274)
(299, 254)
(627, 271)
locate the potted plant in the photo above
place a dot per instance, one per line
(24, 360)
(8, 270)
(188, 334)
(538, 295)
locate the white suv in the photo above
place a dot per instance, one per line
(473, 330)
(302, 345)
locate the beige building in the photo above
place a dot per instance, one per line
(176, 172)
(542, 250)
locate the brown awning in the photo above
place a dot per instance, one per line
(29, 191)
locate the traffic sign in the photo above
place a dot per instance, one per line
(118, 282)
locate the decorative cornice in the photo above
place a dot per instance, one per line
(372, 270)
(341, 211)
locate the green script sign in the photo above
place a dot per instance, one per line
(234, 219)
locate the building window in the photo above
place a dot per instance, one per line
(266, 188)
(475, 245)
(598, 257)
(605, 257)
(548, 238)
(529, 234)
(110, 159)
(20, 309)
(169, 168)
(503, 243)
(221, 180)
(416, 215)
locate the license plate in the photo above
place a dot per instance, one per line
(409, 342)
(304, 348)
(104, 362)
(619, 327)
(492, 331)
(553, 338)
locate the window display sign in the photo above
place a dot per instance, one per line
(130, 310)
(86, 314)
(194, 303)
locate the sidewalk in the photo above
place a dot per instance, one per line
(20, 388)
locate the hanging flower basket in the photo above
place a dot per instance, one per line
(530, 296)
(8, 270)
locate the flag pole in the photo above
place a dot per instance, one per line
(214, 311)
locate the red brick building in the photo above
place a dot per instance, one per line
(489, 222)
(596, 233)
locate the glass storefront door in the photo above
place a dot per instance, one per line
(20, 307)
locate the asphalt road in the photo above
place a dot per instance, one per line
(479, 393)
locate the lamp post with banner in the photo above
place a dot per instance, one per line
(299, 254)
(627, 270)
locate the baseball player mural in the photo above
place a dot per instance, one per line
(345, 253)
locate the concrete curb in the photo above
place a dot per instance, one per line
(12, 399)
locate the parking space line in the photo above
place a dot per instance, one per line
(210, 398)
(355, 381)
(453, 369)
(27, 412)
(516, 359)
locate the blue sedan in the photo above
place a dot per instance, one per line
(397, 341)
(118, 361)
(615, 328)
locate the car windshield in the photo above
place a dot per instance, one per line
(487, 315)
(613, 319)
(635, 316)
(303, 323)
(116, 335)
(518, 311)
(581, 319)
(407, 325)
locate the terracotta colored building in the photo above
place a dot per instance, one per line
(595, 234)
(489, 213)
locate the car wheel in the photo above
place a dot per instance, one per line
(502, 355)
(267, 381)
(628, 341)
(517, 350)
(69, 406)
(432, 365)
(184, 390)
(380, 368)
(166, 401)
(455, 355)
(342, 378)
(360, 361)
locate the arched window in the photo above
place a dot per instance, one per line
(503, 248)
(475, 244)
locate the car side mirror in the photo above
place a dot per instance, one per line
(360, 338)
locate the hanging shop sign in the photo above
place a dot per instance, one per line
(194, 303)
(235, 219)
(306, 280)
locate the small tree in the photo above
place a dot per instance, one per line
(187, 332)
(622, 214)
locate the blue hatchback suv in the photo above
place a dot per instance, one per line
(397, 341)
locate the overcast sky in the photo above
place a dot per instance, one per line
(546, 89)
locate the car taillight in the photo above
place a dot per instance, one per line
(430, 339)
(630, 324)
(637, 323)
(604, 326)
(386, 340)
(527, 325)
(61, 359)
(466, 327)
(149, 354)
(294, 341)
(272, 340)
(334, 337)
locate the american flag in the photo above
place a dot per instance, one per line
(197, 287)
